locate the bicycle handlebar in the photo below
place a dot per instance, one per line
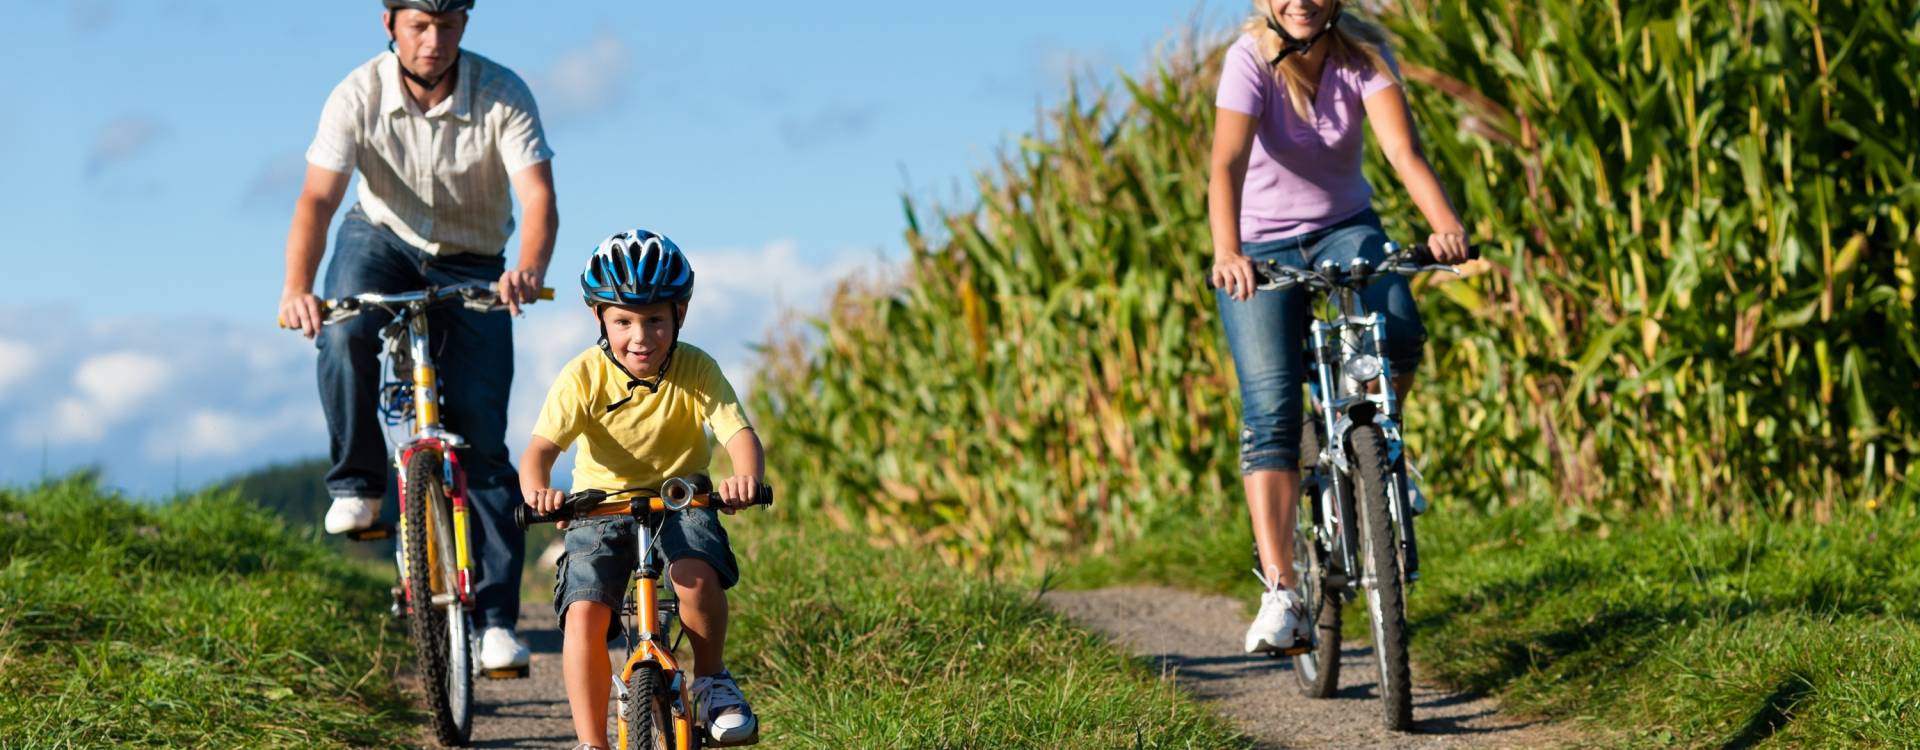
(1417, 258)
(475, 292)
(674, 495)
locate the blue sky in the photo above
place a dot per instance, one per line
(154, 150)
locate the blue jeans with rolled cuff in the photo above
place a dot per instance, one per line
(474, 353)
(1266, 334)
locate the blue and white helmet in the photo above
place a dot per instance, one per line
(637, 267)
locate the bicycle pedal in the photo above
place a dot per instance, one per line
(509, 673)
(372, 533)
(1294, 650)
(707, 740)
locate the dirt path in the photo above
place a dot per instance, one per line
(530, 713)
(1195, 640)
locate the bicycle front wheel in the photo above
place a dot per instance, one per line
(1386, 596)
(646, 715)
(442, 639)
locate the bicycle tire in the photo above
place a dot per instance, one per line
(460, 635)
(427, 624)
(1386, 595)
(646, 718)
(1317, 671)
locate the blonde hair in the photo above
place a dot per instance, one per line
(1352, 43)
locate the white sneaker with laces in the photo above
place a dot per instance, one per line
(1281, 622)
(500, 650)
(724, 711)
(352, 514)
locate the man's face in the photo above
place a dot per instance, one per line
(639, 335)
(427, 43)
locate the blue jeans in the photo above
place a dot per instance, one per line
(474, 352)
(1267, 332)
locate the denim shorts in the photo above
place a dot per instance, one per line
(602, 554)
(1266, 333)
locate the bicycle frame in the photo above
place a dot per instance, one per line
(428, 434)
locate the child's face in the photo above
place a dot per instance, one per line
(640, 335)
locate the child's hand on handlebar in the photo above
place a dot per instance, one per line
(547, 500)
(738, 491)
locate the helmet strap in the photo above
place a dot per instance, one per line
(1290, 45)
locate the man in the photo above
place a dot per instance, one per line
(439, 136)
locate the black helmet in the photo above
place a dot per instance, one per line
(430, 6)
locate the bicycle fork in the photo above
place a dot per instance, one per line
(652, 648)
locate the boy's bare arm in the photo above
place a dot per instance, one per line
(749, 469)
(536, 475)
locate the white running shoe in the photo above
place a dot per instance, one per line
(352, 514)
(1281, 624)
(724, 711)
(500, 650)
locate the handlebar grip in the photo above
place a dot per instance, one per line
(1421, 255)
(765, 498)
(524, 516)
(546, 292)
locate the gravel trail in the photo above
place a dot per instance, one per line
(1195, 640)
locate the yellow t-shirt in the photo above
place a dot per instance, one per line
(648, 439)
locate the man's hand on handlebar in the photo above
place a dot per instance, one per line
(518, 287)
(301, 311)
(1234, 273)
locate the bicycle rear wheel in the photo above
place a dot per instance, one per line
(441, 636)
(1386, 602)
(1318, 670)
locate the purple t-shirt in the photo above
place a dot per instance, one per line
(1302, 175)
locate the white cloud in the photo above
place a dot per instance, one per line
(585, 80)
(16, 362)
(218, 433)
(106, 388)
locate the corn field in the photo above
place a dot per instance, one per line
(1700, 229)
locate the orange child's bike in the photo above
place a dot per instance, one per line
(436, 566)
(655, 695)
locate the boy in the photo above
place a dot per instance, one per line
(640, 400)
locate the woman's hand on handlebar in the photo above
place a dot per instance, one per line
(738, 491)
(547, 500)
(1449, 247)
(1234, 275)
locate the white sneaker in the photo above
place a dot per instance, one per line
(500, 650)
(352, 514)
(724, 711)
(1281, 624)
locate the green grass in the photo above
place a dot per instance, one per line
(201, 622)
(843, 645)
(1645, 632)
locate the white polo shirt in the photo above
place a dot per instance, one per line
(439, 179)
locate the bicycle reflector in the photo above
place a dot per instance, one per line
(1363, 367)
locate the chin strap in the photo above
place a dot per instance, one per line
(422, 81)
(1288, 44)
(653, 386)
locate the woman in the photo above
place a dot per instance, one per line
(1286, 185)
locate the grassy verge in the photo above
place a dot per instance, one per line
(1683, 633)
(851, 646)
(200, 622)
